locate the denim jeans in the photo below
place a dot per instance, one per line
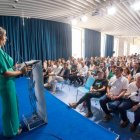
(126, 105)
(103, 103)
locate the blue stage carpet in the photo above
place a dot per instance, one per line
(63, 123)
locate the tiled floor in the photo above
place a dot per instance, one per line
(69, 96)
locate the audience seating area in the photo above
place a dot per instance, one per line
(81, 73)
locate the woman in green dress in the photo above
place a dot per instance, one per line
(10, 118)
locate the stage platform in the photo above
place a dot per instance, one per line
(64, 123)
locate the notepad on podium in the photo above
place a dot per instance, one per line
(27, 63)
(31, 62)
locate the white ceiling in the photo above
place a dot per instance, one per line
(125, 22)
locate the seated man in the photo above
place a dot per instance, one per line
(62, 75)
(97, 90)
(132, 102)
(82, 74)
(117, 86)
(136, 69)
(52, 77)
(73, 73)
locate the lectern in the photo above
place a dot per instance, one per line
(38, 116)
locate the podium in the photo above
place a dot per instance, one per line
(38, 115)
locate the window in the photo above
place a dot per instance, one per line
(103, 41)
(125, 48)
(134, 49)
(77, 42)
(116, 46)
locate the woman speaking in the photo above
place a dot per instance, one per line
(10, 118)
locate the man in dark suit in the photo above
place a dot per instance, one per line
(136, 69)
(64, 73)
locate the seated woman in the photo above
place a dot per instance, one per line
(111, 73)
(97, 90)
(126, 73)
(48, 78)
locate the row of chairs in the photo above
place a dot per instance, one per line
(86, 88)
(83, 89)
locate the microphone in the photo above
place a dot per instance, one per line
(22, 65)
(19, 56)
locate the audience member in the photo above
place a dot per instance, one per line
(97, 90)
(116, 88)
(132, 102)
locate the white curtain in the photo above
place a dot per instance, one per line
(103, 42)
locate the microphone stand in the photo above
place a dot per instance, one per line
(23, 64)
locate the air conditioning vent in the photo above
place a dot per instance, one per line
(96, 13)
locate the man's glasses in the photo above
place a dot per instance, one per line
(137, 93)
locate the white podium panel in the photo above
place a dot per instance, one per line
(39, 90)
(38, 115)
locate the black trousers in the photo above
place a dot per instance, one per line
(79, 79)
(86, 98)
(126, 105)
(72, 78)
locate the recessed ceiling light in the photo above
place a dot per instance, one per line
(84, 18)
(136, 6)
(16, 1)
(111, 10)
(74, 22)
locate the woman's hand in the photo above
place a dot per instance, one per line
(24, 70)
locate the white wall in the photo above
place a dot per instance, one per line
(121, 47)
(128, 46)
(134, 49)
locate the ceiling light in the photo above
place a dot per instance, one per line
(84, 18)
(136, 6)
(13, 6)
(16, 1)
(74, 22)
(111, 10)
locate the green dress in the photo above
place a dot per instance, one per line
(10, 116)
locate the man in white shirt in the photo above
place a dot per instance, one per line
(116, 89)
(57, 69)
(82, 73)
(83, 70)
(132, 102)
(53, 78)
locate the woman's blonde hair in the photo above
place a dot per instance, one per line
(2, 33)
